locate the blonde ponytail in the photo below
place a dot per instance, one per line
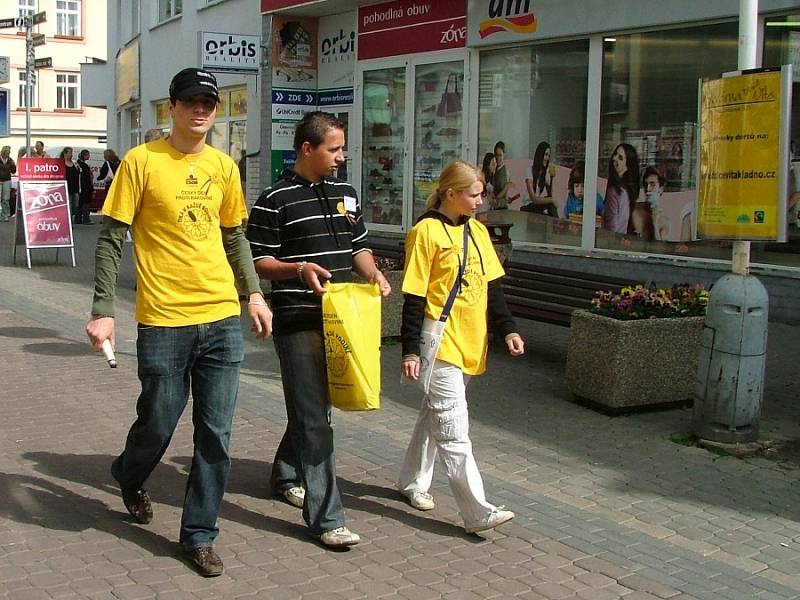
(458, 175)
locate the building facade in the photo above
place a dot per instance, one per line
(420, 82)
(148, 42)
(562, 85)
(74, 33)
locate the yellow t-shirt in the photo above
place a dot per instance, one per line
(433, 252)
(176, 204)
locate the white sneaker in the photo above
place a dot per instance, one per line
(420, 500)
(498, 516)
(295, 496)
(341, 536)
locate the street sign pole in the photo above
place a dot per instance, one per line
(29, 74)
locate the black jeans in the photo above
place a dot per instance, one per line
(305, 455)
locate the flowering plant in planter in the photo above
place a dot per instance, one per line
(641, 302)
(384, 263)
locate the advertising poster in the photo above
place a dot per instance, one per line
(45, 208)
(294, 52)
(740, 196)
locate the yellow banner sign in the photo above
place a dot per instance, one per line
(739, 195)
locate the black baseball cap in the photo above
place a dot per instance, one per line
(193, 82)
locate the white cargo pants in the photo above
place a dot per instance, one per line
(443, 428)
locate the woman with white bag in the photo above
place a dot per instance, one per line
(451, 287)
(109, 168)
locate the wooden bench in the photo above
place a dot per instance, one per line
(539, 293)
(549, 294)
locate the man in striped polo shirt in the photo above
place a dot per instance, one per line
(306, 229)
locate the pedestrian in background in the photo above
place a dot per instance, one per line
(191, 253)
(435, 257)
(306, 229)
(152, 134)
(109, 168)
(7, 168)
(86, 191)
(73, 172)
(38, 150)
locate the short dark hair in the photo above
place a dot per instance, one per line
(575, 176)
(500, 145)
(313, 127)
(651, 170)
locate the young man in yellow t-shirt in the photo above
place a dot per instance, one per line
(183, 201)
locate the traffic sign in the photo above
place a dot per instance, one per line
(6, 23)
(41, 63)
(39, 39)
(40, 17)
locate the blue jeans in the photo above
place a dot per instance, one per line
(172, 361)
(305, 455)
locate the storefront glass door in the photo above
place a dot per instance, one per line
(399, 171)
(383, 134)
(438, 125)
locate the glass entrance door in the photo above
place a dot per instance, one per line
(383, 134)
(438, 125)
(399, 171)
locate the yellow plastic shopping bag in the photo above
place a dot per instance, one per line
(351, 318)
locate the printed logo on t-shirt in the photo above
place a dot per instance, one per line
(473, 286)
(195, 221)
(191, 180)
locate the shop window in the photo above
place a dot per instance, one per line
(162, 114)
(68, 17)
(384, 136)
(229, 133)
(648, 136)
(67, 91)
(532, 118)
(782, 47)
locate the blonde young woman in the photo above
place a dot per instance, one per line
(434, 253)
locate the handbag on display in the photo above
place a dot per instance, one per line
(432, 330)
(450, 104)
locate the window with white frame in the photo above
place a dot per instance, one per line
(135, 126)
(27, 8)
(68, 17)
(169, 8)
(22, 79)
(68, 90)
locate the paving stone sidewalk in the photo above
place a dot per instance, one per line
(607, 507)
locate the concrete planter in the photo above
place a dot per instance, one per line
(392, 307)
(621, 365)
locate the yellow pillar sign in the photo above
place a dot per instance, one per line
(740, 195)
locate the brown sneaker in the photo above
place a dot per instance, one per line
(138, 504)
(207, 562)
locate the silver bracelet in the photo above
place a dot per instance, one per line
(300, 266)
